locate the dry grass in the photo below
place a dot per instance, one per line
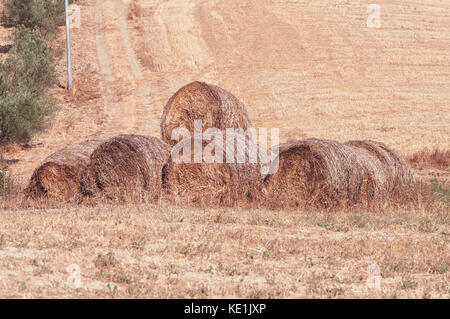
(134, 10)
(59, 177)
(426, 158)
(214, 106)
(125, 167)
(142, 251)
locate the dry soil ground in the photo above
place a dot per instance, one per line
(310, 68)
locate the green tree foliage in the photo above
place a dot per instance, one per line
(28, 66)
(24, 75)
(45, 15)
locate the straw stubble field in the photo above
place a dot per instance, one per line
(166, 251)
(312, 69)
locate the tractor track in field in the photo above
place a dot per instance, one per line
(127, 98)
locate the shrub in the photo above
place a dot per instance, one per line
(45, 15)
(28, 66)
(22, 115)
(24, 76)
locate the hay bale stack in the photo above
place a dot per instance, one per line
(397, 169)
(212, 183)
(324, 173)
(216, 107)
(126, 167)
(59, 177)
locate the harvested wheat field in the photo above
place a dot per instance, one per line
(126, 167)
(313, 69)
(60, 175)
(214, 106)
(214, 180)
(146, 251)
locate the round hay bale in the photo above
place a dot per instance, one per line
(209, 182)
(397, 169)
(126, 167)
(59, 177)
(323, 173)
(215, 107)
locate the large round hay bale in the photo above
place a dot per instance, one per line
(126, 167)
(323, 173)
(396, 167)
(212, 182)
(60, 175)
(215, 107)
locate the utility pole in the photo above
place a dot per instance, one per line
(69, 58)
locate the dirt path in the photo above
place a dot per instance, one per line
(120, 101)
(128, 100)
